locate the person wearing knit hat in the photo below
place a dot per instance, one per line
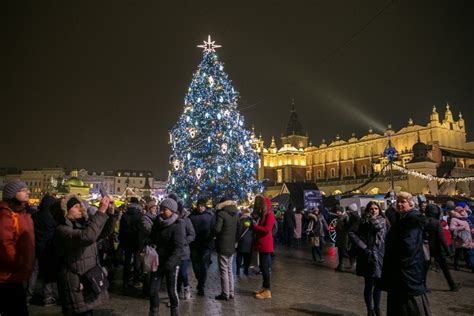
(169, 236)
(352, 207)
(169, 204)
(17, 244)
(11, 189)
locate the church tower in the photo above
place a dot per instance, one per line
(294, 131)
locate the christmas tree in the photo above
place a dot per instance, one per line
(212, 154)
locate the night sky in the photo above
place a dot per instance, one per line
(97, 84)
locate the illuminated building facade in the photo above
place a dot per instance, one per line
(438, 148)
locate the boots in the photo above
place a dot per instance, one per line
(259, 291)
(370, 312)
(377, 312)
(174, 311)
(266, 294)
(153, 312)
(186, 293)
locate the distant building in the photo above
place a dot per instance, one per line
(438, 148)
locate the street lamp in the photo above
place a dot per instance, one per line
(391, 153)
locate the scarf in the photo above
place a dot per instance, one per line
(170, 220)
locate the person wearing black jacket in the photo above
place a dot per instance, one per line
(129, 240)
(203, 220)
(289, 223)
(403, 275)
(437, 243)
(244, 242)
(168, 234)
(368, 236)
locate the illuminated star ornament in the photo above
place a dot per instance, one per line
(209, 46)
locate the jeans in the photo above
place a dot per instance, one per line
(265, 266)
(227, 275)
(371, 291)
(200, 258)
(47, 289)
(341, 253)
(130, 255)
(171, 280)
(183, 279)
(245, 257)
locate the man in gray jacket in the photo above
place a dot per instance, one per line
(226, 228)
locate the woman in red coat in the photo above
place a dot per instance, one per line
(263, 241)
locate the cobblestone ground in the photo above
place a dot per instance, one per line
(299, 287)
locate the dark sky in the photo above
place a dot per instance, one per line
(97, 84)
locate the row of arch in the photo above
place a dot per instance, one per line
(370, 190)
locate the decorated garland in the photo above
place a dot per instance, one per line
(430, 177)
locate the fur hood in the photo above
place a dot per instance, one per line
(220, 206)
(313, 216)
(64, 201)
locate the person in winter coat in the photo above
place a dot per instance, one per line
(169, 236)
(203, 220)
(298, 231)
(244, 242)
(129, 240)
(368, 235)
(438, 246)
(316, 232)
(146, 225)
(289, 224)
(183, 279)
(17, 248)
(342, 237)
(403, 275)
(75, 241)
(263, 242)
(226, 230)
(46, 264)
(462, 237)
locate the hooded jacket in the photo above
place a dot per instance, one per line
(226, 227)
(263, 230)
(76, 246)
(17, 243)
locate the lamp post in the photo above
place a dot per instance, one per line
(391, 153)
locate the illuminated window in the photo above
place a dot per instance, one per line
(308, 175)
(319, 174)
(333, 173)
(279, 176)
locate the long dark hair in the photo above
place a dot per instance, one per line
(367, 212)
(259, 206)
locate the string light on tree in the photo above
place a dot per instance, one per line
(210, 128)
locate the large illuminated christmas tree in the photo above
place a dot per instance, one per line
(212, 154)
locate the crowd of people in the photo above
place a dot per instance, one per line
(76, 248)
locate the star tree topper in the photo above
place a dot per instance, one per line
(209, 46)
